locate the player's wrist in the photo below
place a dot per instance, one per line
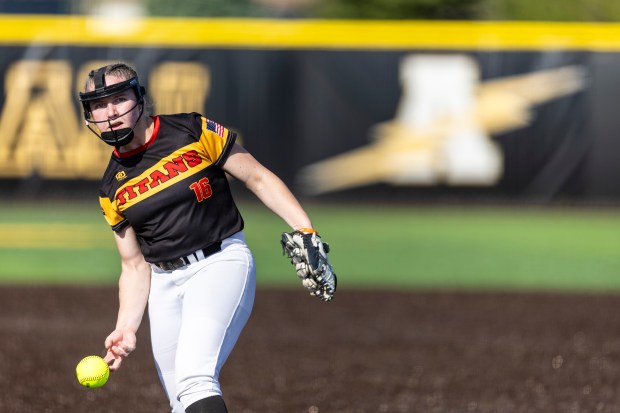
(130, 328)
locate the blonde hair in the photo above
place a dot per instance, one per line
(122, 70)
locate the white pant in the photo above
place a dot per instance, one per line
(196, 314)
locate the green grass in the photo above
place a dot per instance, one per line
(372, 246)
(478, 248)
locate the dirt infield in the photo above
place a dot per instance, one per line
(365, 352)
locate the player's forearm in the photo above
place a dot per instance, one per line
(134, 286)
(276, 196)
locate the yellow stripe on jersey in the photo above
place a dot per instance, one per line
(180, 164)
(109, 212)
(214, 138)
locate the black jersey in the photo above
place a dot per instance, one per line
(172, 191)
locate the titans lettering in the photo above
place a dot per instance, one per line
(168, 170)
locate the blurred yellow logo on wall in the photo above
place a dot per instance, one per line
(441, 133)
(40, 134)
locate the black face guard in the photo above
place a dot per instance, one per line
(120, 137)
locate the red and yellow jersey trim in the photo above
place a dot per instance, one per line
(111, 215)
(213, 138)
(182, 163)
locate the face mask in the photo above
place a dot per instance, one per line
(119, 137)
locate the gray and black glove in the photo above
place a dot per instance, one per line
(308, 253)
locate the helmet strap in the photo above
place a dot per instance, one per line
(98, 77)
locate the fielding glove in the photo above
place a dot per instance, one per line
(308, 254)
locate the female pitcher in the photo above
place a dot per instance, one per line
(179, 234)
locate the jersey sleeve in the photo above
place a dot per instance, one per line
(114, 218)
(217, 141)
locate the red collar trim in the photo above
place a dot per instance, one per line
(143, 147)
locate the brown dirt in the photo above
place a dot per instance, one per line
(365, 352)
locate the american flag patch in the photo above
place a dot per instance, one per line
(214, 127)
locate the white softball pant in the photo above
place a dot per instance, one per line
(196, 315)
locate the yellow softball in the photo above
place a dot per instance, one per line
(92, 371)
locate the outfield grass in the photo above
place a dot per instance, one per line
(380, 246)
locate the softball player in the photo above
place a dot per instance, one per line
(179, 234)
